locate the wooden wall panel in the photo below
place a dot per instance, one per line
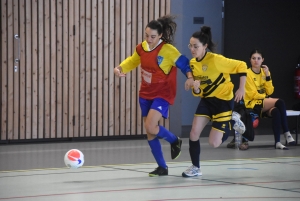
(22, 71)
(64, 85)
(100, 69)
(53, 70)
(40, 70)
(76, 68)
(4, 68)
(10, 70)
(47, 70)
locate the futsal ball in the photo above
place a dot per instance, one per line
(74, 159)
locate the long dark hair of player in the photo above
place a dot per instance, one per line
(166, 26)
(205, 37)
(258, 51)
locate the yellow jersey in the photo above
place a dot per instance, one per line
(213, 72)
(258, 86)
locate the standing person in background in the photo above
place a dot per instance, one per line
(158, 59)
(213, 84)
(258, 88)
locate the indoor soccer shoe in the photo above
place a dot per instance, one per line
(231, 144)
(192, 171)
(159, 171)
(289, 139)
(176, 148)
(278, 145)
(239, 126)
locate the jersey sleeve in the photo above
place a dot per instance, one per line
(269, 86)
(200, 94)
(130, 62)
(231, 66)
(177, 59)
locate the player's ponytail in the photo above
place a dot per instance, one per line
(166, 26)
(205, 37)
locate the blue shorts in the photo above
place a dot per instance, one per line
(158, 104)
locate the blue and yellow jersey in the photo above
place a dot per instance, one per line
(158, 73)
(167, 57)
(213, 72)
(257, 87)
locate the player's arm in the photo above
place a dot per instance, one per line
(130, 63)
(232, 66)
(251, 90)
(181, 62)
(196, 89)
(268, 84)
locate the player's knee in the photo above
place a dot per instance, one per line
(214, 143)
(151, 129)
(194, 136)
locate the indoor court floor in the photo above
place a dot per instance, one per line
(117, 170)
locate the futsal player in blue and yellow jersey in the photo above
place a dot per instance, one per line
(213, 85)
(158, 60)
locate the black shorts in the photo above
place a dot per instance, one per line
(218, 111)
(259, 105)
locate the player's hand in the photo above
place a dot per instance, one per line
(266, 70)
(189, 83)
(118, 72)
(239, 95)
(196, 85)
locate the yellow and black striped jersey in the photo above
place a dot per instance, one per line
(257, 87)
(213, 72)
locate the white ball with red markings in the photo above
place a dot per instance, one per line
(74, 159)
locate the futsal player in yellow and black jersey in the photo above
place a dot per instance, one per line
(213, 85)
(158, 60)
(258, 88)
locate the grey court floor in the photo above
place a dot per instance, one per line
(118, 170)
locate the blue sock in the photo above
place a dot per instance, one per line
(157, 152)
(166, 135)
(195, 152)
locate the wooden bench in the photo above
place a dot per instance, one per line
(294, 113)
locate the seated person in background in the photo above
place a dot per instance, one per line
(257, 89)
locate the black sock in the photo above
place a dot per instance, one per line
(281, 107)
(195, 152)
(276, 123)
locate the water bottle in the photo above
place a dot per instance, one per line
(238, 138)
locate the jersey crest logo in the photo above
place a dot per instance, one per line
(192, 67)
(204, 67)
(159, 59)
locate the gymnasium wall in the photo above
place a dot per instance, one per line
(274, 27)
(57, 59)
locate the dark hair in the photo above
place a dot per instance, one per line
(204, 36)
(166, 26)
(258, 51)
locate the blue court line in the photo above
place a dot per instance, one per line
(242, 169)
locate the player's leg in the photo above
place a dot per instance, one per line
(201, 118)
(161, 106)
(153, 141)
(219, 133)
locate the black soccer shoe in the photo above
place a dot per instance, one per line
(159, 171)
(176, 148)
